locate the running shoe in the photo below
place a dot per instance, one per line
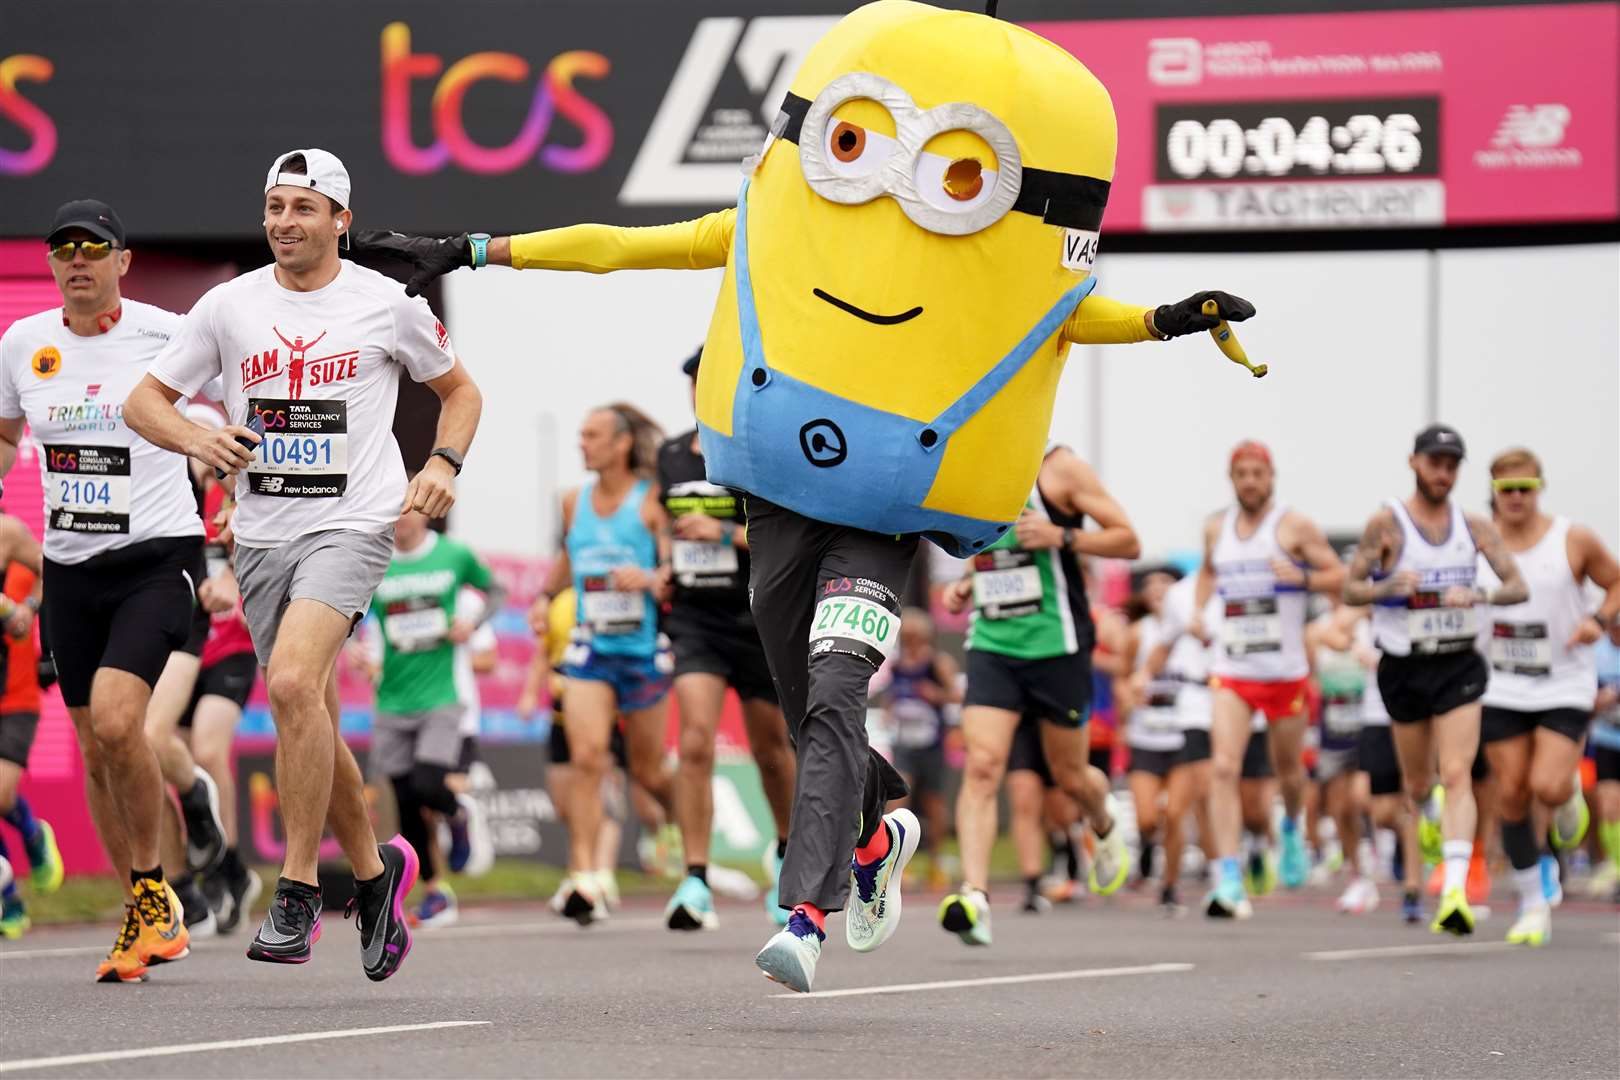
(733, 884)
(1411, 907)
(460, 849)
(1571, 819)
(291, 927)
(1479, 880)
(1533, 927)
(1260, 873)
(580, 900)
(1551, 886)
(874, 909)
(379, 910)
(205, 829)
(1059, 890)
(692, 906)
(1361, 898)
(1603, 880)
(45, 859)
(773, 873)
(199, 917)
(480, 842)
(790, 956)
(6, 875)
(1227, 900)
(1170, 905)
(967, 915)
(163, 936)
(123, 963)
(14, 920)
(1036, 904)
(1295, 864)
(238, 900)
(1453, 916)
(1430, 838)
(438, 907)
(1110, 863)
(607, 890)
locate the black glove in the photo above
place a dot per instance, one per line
(1187, 317)
(432, 256)
(46, 668)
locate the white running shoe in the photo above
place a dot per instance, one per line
(1110, 862)
(1361, 898)
(732, 884)
(482, 844)
(874, 891)
(607, 887)
(1533, 927)
(967, 915)
(790, 956)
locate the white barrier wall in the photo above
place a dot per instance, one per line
(1509, 345)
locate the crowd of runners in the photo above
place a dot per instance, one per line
(222, 506)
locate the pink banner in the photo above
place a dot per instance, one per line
(1472, 116)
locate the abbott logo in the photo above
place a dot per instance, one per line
(1531, 137)
(1175, 61)
(704, 128)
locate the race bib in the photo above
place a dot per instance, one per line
(609, 611)
(857, 622)
(1432, 628)
(305, 452)
(87, 488)
(1521, 649)
(1341, 718)
(416, 624)
(1006, 584)
(1251, 626)
(702, 558)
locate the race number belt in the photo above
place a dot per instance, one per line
(1251, 626)
(87, 488)
(416, 624)
(1341, 716)
(1006, 584)
(1521, 649)
(305, 452)
(609, 611)
(1435, 629)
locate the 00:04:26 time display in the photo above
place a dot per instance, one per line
(1363, 144)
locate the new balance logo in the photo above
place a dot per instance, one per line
(271, 485)
(1531, 137)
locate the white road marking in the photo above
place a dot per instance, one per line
(996, 980)
(225, 1044)
(1436, 949)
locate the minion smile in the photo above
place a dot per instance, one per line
(881, 320)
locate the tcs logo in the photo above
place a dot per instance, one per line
(554, 94)
(41, 132)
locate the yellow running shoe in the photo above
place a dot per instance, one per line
(1570, 820)
(1533, 927)
(1453, 916)
(123, 964)
(14, 920)
(1430, 838)
(45, 859)
(1109, 862)
(162, 936)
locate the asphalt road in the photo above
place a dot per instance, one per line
(1097, 989)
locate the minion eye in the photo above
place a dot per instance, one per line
(955, 184)
(963, 179)
(856, 151)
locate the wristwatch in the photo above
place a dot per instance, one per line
(478, 242)
(456, 460)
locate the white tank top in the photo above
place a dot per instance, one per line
(1152, 725)
(1530, 667)
(1418, 624)
(1263, 625)
(1189, 658)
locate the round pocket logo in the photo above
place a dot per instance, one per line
(822, 444)
(46, 363)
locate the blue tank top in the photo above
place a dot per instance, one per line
(918, 723)
(618, 623)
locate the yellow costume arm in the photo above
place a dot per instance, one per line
(1101, 321)
(599, 249)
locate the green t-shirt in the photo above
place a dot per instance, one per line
(1021, 601)
(414, 605)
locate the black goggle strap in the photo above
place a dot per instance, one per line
(1064, 199)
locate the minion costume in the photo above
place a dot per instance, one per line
(908, 262)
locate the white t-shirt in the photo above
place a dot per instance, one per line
(105, 486)
(322, 369)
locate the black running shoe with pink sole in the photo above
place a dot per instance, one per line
(292, 927)
(379, 909)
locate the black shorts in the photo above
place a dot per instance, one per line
(923, 767)
(1257, 757)
(126, 609)
(17, 736)
(1607, 761)
(201, 621)
(1153, 762)
(1375, 756)
(1057, 688)
(1195, 749)
(560, 754)
(721, 643)
(1027, 753)
(1421, 687)
(1497, 724)
(469, 755)
(230, 677)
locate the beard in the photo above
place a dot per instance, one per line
(1430, 495)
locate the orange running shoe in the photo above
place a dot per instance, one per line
(1479, 880)
(123, 964)
(163, 936)
(1437, 879)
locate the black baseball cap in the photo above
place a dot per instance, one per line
(91, 215)
(690, 365)
(1440, 439)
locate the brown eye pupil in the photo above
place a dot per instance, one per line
(964, 179)
(848, 142)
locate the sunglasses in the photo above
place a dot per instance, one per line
(1516, 483)
(94, 250)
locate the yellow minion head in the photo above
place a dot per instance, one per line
(886, 347)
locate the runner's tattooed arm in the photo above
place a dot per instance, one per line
(1380, 546)
(1513, 589)
(1312, 547)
